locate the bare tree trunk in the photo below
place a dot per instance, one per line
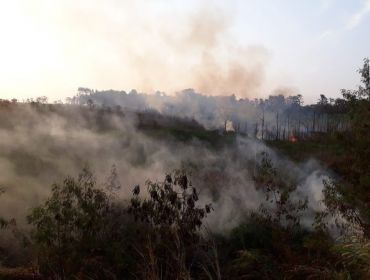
(263, 123)
(277, 126)
(327, 123)
(256, 130)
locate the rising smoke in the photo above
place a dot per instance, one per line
(42, 144)
(121, 44)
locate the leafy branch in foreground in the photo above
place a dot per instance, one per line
(170, 204)
(355, 253)
(70, 226)
(278, 193)
(171, 220)
(83, 231)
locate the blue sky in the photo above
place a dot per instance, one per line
(249, 48)
(317, 46)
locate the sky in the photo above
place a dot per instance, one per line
(249, 48)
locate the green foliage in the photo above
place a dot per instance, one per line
(70, 227)
(272, 244)
(354, 187)
(83, 231)
(171, 204)
(171, 246)
(355, 254)
(338, 207)
(278, 192)
(211, 138)
(259, 249)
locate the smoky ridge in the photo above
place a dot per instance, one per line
(145, 136)
(192, 165)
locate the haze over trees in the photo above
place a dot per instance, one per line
(276, 118)
(155, 186)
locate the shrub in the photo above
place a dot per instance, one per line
(71, 228)
(171, 246)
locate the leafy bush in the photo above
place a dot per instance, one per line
(171, 246)
(82, 231)
(72, 229)
(278, 193)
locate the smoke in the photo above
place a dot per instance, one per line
(242, 74)
(200, 48)
(281, 112)
(121, 44)
(223, 67)
(42, 144)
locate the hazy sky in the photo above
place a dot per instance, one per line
(249, 47)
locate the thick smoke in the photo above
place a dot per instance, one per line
(201, 52)
(250, 117)
(41, 144)
(241, 72)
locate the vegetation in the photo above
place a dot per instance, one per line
(82, 232)
(86, 230)
(74, 231)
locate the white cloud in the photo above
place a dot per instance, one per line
(356, 18)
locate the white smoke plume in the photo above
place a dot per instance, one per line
(42, 144)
